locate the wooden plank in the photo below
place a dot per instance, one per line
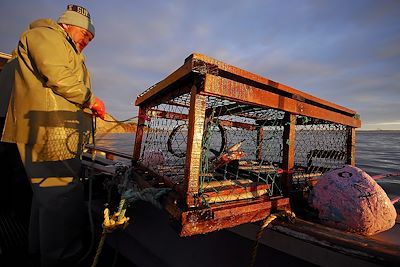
(208, 220)
(213, 184)
(217, 198)
(236, 91)
(237, 124)
(158, 88)
(258, 168)
(233, 189)
(317, 251)
(170, 94)
(194, 145)
(139, 134)
(382, 253)
(351, 147)
(280, 203)
(241, 74)
(202, 227)
(155, 113)
(289, 134)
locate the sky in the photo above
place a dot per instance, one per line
(343, 51)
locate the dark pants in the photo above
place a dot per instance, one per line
(15, 189)
(57, 224)
(58, 213)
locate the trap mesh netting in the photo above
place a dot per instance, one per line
(234, 146)
(242, 147)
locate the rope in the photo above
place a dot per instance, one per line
(128, 195)
(284, 214)
(103, 236)
(91, 223)
(118, 219)
(123, 121)
(99, 249)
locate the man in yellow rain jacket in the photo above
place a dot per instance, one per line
(49, 119)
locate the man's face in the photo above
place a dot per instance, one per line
(80, 36)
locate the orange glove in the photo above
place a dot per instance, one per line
(98, 108)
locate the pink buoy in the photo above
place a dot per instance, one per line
(349, 199)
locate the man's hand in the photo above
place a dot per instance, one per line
(99, 108)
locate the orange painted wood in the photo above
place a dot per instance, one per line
(158, 88)
(194, 145)
(259, 79)
(234, 189)
(266, 203)
(289, 134)
(238, 124)
(155, 113)
(139, 134)
(218, 86)
(220, 217)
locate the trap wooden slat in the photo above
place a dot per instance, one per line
(234, 193)
(224, 216)
(237, 91)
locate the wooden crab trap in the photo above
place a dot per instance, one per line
(233, 145)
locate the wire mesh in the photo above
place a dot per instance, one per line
(319, 147)
(242, 147)
(165, 139)
(62, 143)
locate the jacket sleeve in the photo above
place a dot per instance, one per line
(50, 56)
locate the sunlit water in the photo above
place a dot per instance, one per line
(377, 152)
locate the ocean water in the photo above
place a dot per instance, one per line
(377, 152)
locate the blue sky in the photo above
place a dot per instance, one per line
(347, 52)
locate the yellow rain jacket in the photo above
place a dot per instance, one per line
(50, 86)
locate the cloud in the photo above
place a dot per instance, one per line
(346, 52)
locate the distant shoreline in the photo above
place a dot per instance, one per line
(111, 125)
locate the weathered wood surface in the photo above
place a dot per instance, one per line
(298, 101)
(225, 216)
(234, 192)
(194, 145)
(343, 242)
(231, 89)
(244, 76)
